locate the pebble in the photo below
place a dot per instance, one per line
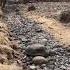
(63, 67)
(52, 53)
(32, 67)
(22, 38)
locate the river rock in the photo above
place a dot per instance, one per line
(39, 60)
(36, 50)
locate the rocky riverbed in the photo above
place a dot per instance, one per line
(38, 49)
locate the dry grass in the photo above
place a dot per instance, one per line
(5, 49)
(6, 56)
(4, 42)
(3, 34)
(3, 39)
(9, 67)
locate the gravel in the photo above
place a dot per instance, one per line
(58, 57)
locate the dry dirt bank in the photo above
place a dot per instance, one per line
(6, 56)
